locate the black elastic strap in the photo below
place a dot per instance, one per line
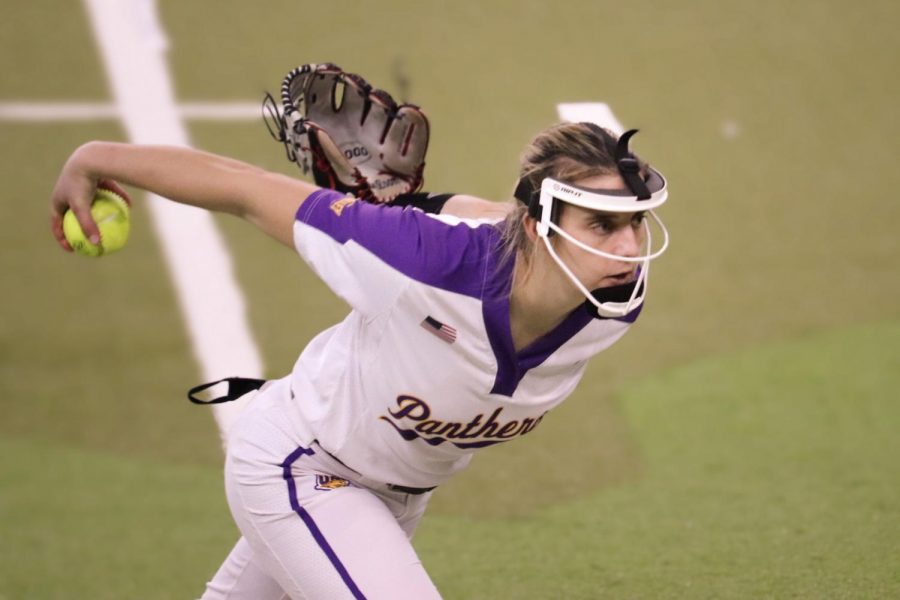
(409, 490)
(425, 201)
(630, 168)
(616, 293)
(526, 194)
(237, 387)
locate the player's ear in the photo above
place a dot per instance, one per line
(529, 226)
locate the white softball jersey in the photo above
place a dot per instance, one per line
(423, 371)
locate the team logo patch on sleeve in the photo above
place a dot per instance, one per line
(338, 206)
(441, 330)
(326, 483)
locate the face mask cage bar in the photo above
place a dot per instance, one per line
(604, 307)
(553, 191)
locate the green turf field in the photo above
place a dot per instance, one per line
(741, 442)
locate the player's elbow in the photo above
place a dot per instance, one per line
(271, 203)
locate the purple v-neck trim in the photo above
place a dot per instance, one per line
(511, 365)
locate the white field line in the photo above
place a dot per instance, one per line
(591, 112)
(133, 49)
(58, 112)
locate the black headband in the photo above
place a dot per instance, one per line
(628, 165)
(526, 194)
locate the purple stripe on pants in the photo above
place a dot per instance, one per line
(311, 525)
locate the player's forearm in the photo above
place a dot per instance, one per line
(471, 207)
(184, 175)
(267, 200)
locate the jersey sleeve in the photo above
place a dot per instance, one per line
(368, 253)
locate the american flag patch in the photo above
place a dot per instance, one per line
(445, 332)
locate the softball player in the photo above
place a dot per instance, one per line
(463, 334)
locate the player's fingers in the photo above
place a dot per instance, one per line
(114, 187)
(57, 229)
(75, 194)
(86, 220)
(74, 191)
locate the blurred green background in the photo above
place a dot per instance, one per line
(740, 442)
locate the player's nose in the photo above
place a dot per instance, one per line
(627, 242)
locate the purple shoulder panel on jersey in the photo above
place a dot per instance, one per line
(448, 257)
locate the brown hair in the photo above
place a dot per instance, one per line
(566, 152)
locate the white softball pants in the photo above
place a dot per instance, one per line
(312, 528)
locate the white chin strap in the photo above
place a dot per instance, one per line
(610, 309)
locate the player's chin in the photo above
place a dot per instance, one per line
(617, 280)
